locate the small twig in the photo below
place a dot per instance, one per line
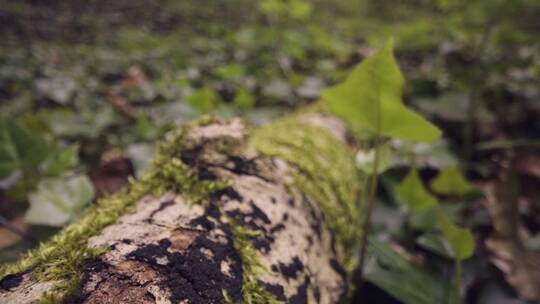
(120, 104)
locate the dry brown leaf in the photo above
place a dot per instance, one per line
(120, 103)
(529, 163)
(8, 237)
(113, 172)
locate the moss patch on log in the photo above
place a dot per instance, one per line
(326, 172)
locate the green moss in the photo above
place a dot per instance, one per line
(61, 258)
(326, 172)
(226, 296)
(252, 291)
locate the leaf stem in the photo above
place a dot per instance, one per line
(367, 221)
(457, 274)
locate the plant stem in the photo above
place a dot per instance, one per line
(367, 221)
(457, 274)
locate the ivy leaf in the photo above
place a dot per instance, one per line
(400, 278)
(411, 193)
(451, 182)
(230, 72)
(146, 128)
(243, 99)
(300, 9)
(60, 161)
(204, 99)
(56, 201)
(370, 99)
(140, 155)
(20, 148)
(366, 158)
(460, 239)
(435, 243)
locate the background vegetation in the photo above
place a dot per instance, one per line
(86, 87)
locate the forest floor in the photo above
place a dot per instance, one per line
(87, 89)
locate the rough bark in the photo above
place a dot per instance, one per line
(165, 249)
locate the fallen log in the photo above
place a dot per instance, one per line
(228, 213)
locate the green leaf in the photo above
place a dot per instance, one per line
(300, 9)
(272, 6)
(146, 127)
(140, 155)
(204, 99)
(460, 239)
(61, 161)
(370, 98)
(366, 158)
(84, 123)
(57, 201)
(400, 278)
(20, 148)
(427, 220)
(244, 99)
(411, 193)
(230, 72)
(435, 243)
(451, 182)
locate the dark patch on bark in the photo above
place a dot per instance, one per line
(317, 294)
(192, 275)
(162, 206)
(255, 220)
(316, 222)
(291, 270)
(338, 268)
(291, 202)
(151, 252)
(301, 296)
(228, 192)
(94, 265)
(192, 158)
(263, 243)
(11, 281)
(258, 213)
(202, 221)
(277, 228)
(242, 165)
(90, 266)
(309, 238)
(204, 174)
(342, 273)
(276, 290)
